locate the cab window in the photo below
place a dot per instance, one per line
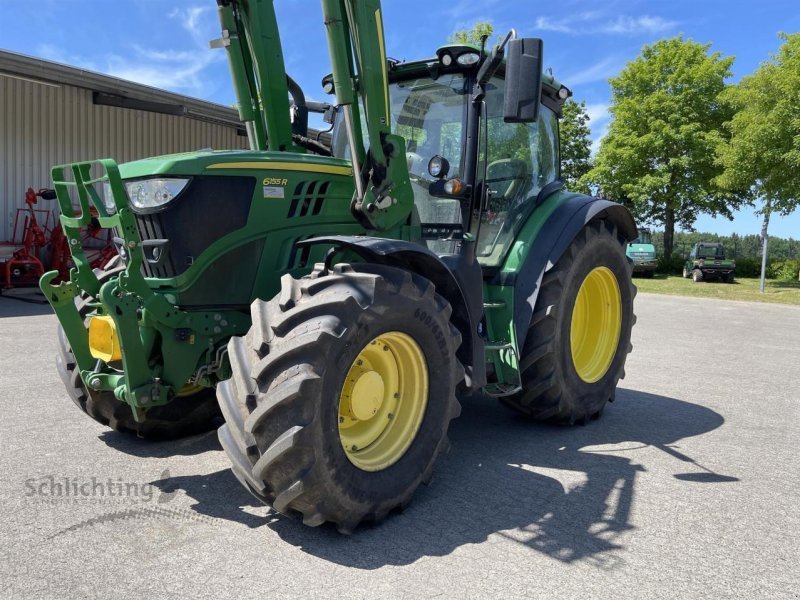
(520, 159)
(429, 114)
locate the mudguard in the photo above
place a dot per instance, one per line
(459, 283)
(556, 235)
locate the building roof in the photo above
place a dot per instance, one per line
(114, 91)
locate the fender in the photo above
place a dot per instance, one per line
(459, 283)
(561, 227)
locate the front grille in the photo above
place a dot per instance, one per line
(152, 228)
(211, 207)
(307, 198)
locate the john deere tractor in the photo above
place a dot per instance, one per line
(339, 291)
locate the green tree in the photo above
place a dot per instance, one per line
(474, 35)
(576, 147)
(763, 153)
(667, 116)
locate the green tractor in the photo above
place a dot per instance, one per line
(338, 292)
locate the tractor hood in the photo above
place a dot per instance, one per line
(210, 162)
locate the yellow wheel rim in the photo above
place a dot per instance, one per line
(188, 389)
(382, 401)
(596, 324)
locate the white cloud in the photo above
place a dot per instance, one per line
(599, 71)
(598, 112)
(599, 118)
(177, 69)
(57, 54)
(591, 22)
(643, 24)
(597, 137)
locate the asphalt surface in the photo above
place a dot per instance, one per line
(686, 488)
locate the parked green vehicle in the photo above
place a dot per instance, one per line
(642, 254)
(707, 261)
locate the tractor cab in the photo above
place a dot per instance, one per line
(485, 185)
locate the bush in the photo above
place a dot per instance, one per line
(785, 270)
(749, 267)
(674, 266)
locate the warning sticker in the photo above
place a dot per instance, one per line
(273, 191)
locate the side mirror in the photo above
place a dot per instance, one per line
(523, 90)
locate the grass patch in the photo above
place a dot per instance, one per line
(746, 288)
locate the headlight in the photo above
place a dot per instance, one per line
(468, 58)
(438, 167)
(151, 193)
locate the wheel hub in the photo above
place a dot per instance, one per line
(596, 324)
(367, 395)
(382, 401)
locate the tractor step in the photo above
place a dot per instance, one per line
(499, 347)
(498, 390)
(494, 304)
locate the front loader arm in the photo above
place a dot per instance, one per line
(383, 197)
(252, 41)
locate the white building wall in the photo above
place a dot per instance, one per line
(43, 125)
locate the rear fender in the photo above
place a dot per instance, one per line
(560, 229)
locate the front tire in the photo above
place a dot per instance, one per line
(697, 276)
(313, 382)
(184, 416)
(579, 337)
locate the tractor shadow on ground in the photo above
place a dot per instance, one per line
(542, 486)
(143, 448)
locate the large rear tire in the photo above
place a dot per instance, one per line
(580, 331)
(185, 415)
(314, 375)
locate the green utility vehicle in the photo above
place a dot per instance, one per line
(707, 261)
(642, 254)
(339, 292)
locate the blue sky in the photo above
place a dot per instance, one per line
(164, 43)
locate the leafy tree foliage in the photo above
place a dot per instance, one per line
(659, 154)
(474, 35)
(763, 153)
(576, 147)
(740, 246)
(764, 148)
